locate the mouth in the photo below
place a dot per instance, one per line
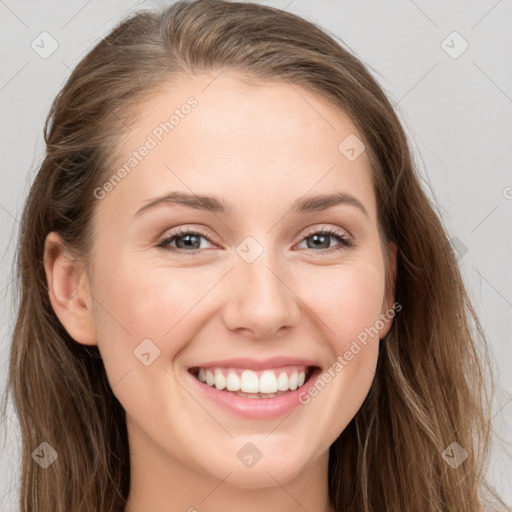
(252, 384)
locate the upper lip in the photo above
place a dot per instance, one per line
(257, 364)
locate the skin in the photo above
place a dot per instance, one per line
(259, 147)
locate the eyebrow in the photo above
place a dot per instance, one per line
(219, 205)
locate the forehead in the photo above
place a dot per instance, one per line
(246, 141)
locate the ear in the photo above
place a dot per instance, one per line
(68, 289)
(389, 296)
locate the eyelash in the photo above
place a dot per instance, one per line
(345, 242)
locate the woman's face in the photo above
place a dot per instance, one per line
(257, 285)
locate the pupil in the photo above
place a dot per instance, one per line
(316, 237)
(188, 242)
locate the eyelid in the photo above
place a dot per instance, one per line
(315, 228)
(185, 229)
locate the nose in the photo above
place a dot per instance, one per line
(262, 301)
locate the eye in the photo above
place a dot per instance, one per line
(190, 241)
(184, 239)
(321, 238)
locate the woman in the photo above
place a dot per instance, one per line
(261, 369)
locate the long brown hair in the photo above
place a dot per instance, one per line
(431, 386)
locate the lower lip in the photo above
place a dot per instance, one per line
(257, 408)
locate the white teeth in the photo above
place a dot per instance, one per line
(282, 382)
(233, 382)
(249, 383)
(268, 382)
(220, 380)
(292, 381)
(210, 380)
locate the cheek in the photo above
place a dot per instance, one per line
(135, 302)
(347, 307)
(347, 300)
(143, 318)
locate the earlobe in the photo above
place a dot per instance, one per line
(68, 290)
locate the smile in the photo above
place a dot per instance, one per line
(269, 383)
(256, 393)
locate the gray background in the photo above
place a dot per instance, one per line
(455, 108)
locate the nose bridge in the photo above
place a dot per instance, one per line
(263, 301)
